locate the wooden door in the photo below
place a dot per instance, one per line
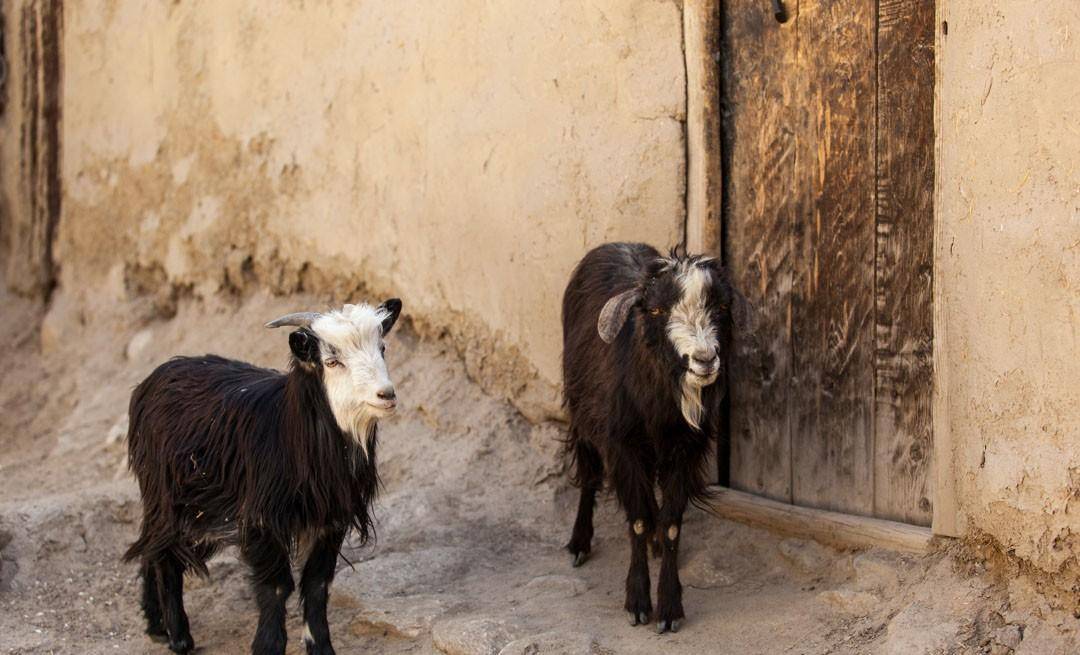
(828, 162)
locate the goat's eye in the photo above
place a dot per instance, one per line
(656, 311)
(331, 363)
(382, 348)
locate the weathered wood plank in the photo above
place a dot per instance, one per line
(704, 171)
(832, 528)
(903, 482)
(759, 203)
(833, 320)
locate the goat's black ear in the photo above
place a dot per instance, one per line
(614, 313)
(304, 345)
(392, 307)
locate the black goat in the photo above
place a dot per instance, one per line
(645, 343)
(280, 464)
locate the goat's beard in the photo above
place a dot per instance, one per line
(690, 397)
(358, 421)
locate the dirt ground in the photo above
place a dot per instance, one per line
(471, 521)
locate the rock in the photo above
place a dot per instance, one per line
(55, 325)
(850, 601)
(117, 431)
(874, 572)
(808, 557)
(702, 571)
(405, 616)
(138, 343)
(546, 440)
(556, 586)
(920, 629)
(1009, 636)
(553, 643)
(471, 636)
(1045, 639)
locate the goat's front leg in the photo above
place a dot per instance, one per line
(634, 487)
(675, 483)
(315, 590)
(272, 581)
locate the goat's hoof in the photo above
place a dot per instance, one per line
(183, 645)
(664, 626)
(157, 635)
(640, 618)
(580, 558)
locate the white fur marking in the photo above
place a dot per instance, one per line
(691, 332)
(353, 337)
(308, 639)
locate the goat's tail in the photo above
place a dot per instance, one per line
(158, 539)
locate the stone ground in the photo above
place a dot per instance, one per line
(472, 519)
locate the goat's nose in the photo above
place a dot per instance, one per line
(705, 359)
(386, 393)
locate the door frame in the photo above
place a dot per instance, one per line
(703, 233)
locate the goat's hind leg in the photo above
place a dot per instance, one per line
(168, 575)
(151, 603)
(590, 477)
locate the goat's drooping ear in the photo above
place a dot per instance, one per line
(305, 346)
(393, 309)
(614, 313)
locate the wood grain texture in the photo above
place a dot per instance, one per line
(704, 193)
(948, 519)
(828, 213)
(760, 123)
(832, 528)
(903, 364)
(832, 326)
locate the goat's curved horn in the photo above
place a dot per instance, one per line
(298, 319)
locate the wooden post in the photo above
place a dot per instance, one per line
(704, 174)
(947, 519)
(703, 166)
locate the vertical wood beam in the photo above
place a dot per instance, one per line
(904, 334)
(704, 171)
(762, 124)
(832, 436)
(948, 519)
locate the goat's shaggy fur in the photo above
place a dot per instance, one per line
(645, 344)
(227, 453)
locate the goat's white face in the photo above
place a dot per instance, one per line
(690, 326)
(691, 330)
(352, 350)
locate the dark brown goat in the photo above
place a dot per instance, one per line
(645, 344)
(276, 463)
